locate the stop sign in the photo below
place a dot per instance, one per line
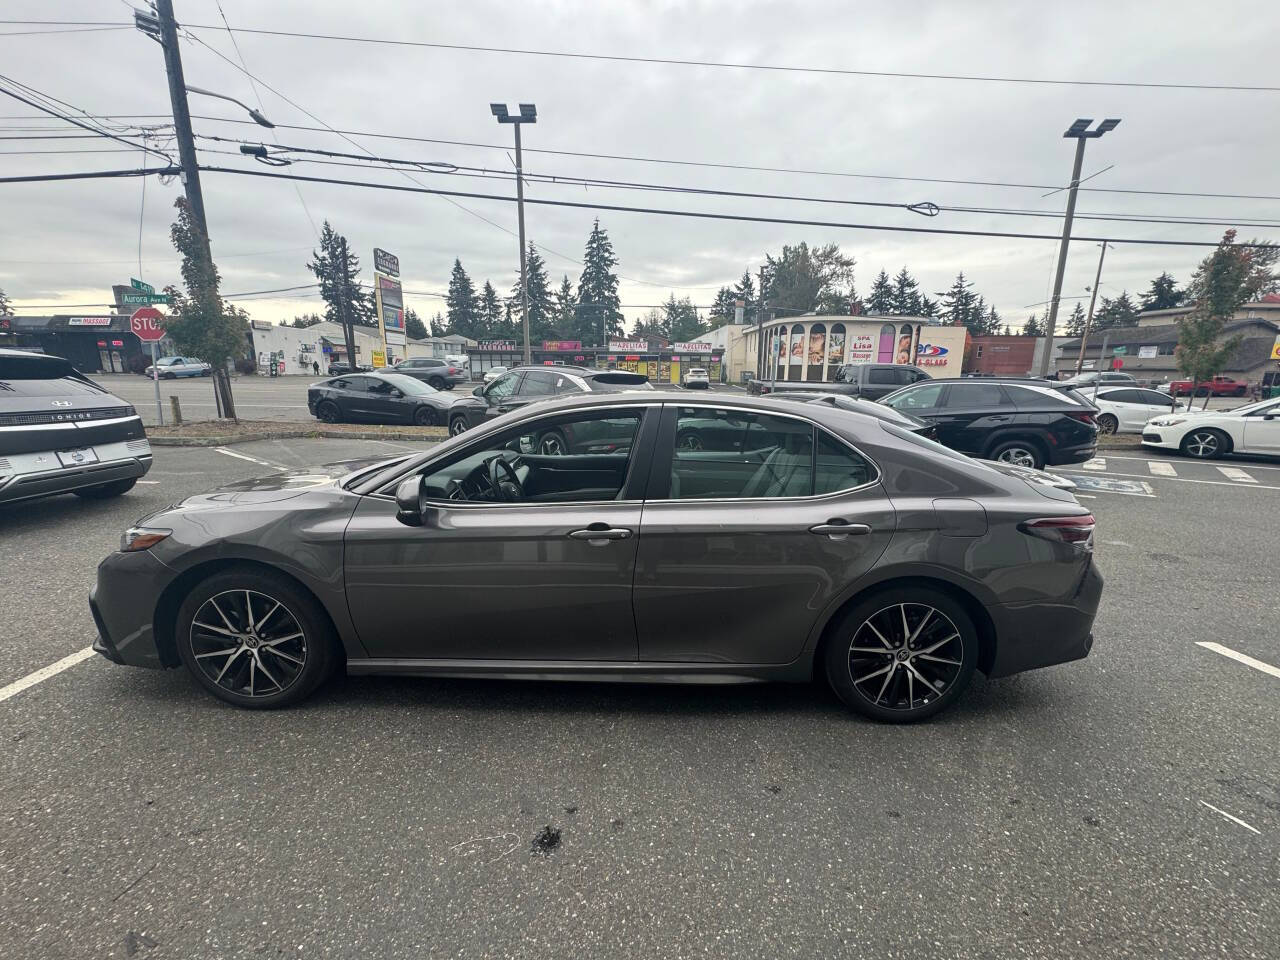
(145, 324)
(1116, 362)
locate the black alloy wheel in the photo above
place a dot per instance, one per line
(902, 655)
(424, 416)
(436, 383)
(253, 638)
(553, 444)
(689, 440)
(457, 425)
(328, 411)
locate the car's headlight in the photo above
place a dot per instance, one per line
(141, 538)
(1167, 421)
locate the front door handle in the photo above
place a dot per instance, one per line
(999, 419)
(600, 533)
(838, 529)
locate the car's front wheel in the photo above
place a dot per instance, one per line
(424, 417)
(255, 639)
(457, 425)
(328, 411)
(1020, 453)
(1107, 424)
(104, 491)
(901, 655)
(436, 383)
(1205, 443)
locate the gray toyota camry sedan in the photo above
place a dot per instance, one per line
(714, 541)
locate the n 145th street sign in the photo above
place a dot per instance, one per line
(145, 324)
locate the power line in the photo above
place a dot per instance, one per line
(170, 171)
(730, 65)
(41, 33)
(705, 215)
(741, 166)
(225, 296)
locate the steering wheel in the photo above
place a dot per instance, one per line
(509, 488)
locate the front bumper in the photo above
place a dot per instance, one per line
(123, 603)
(1159, 439)
(1033, 635)
(27, 475)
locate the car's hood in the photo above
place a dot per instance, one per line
(285, 485)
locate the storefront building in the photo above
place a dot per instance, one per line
(93, 344)
(659, 360)
(813, 347)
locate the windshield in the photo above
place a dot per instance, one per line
(613, 382)
(409, 386)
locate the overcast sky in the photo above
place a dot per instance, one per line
(66, 243)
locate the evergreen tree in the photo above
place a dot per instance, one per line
(991, 322)
(566, 320)
(1034, 327)
(680, 321)
(199, 322)
(6, 305)
(958, 303)
(906, 295)
(599, 307)
(648, 326)
(340, 289)
(803, 279)
(489, 312)
(1227, 279)
(414, 328)
(746, 290)
(928, 308)
(437, 326)
(880, 299)
(306, 320)
(1113, 313)
(1163, 294)
(541, 309)
(460, 302)
(724, 307)
(1075, 322)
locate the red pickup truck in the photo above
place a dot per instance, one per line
(1219, 386)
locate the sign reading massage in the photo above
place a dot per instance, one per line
(88, 321)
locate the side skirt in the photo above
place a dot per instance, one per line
(588, 671)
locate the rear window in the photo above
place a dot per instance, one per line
(613, 382)
(1029, 396)
(881, 375)
(35, 366)
(976, 395)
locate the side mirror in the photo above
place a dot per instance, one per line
(478, 392)
(410, 508)
(1268, 416)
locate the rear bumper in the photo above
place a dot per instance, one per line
(1062, 456)
(1033, 635)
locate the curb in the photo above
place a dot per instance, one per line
(290, 435)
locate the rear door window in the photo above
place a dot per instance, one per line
(917, 398)
(976, 395)
(734, 455)
(538, 383)
(882, 375)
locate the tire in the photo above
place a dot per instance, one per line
(105, 491)
(457, 425)
(269, 653)
(436, 383)
(1202, 391)
(1205, 443)
(688, 440)
(1024, 453)
(206, 373)
(886, 686)
(1238, 392)
(1107, 424)
(424, 417)
(328, 411)
(553, 444)
(168, 376)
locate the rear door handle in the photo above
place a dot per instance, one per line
(602, 533)
(999, 419)
(839, 529)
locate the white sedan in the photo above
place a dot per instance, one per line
(493, 373)
(1127, 409)
(1206, 434)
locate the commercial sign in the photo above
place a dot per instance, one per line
(1275, 349)
(628, 346)
(496, 344)
(89, 322)
(695, 347)
(1146, 353)
(862, 348)
(379, 358)
(390, 303)
(561, 345)
(143, 299)
(387, 263)
(931, 355)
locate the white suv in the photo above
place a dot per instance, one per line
(695, 378)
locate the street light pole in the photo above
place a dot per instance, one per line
(1080, 132)
(1088, 321)
(528, 114)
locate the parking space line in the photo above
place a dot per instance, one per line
(1235, 473)
(44, 673)
(1244, 658)
(1097, 463)
(1214, 483)
(1252, 466)
(1159, 469)
(1247, 826)
(245, 456)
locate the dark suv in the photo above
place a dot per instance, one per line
(1025, 422)
(438, 373)
(523, 385)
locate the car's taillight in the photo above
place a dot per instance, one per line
(1061, 529)
(1084, 418)
(453, 370)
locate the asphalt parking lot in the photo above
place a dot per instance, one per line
(1127, 805)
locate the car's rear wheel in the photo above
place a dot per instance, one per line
(1205, 443)
(255, 639)
(104, 491)
(168, 376)
(901, 655)
(1108, 424)
(206, 373)
(424, 416)
(1202, 391)
(457, 425)
(1020, 453)
(688, 440)
(1238, 392)
(437, 383)
(328, 411)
